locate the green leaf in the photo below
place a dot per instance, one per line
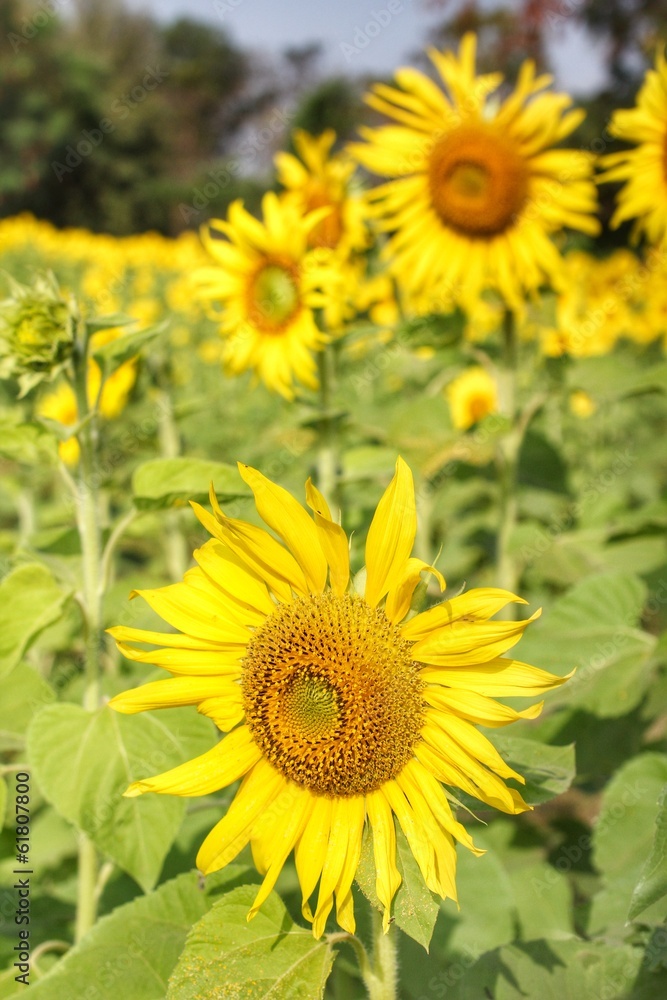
(594, 628)
(540, 465)
(228, 958)
(652, 884)
(552, 970)
(30, 599)
(83, 763)
(24, 692)
(623, 838)
(415, 908)
(132, 951)
(549, 771)
(3, 801)
(97, 323)
(29, 443)
(116, 352)
(169, 482)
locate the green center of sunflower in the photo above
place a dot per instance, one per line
(332, 695)
(478, 181)
(274, 296)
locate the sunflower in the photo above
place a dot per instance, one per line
(477, 188)
(644, 169)
(265, 290)
(316, 179)
(340, 709)
(472, 395)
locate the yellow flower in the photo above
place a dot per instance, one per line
(317, 179)
(267, 287)
(644, 168)
(60, 404)
(478, 187)
(472, 396)
(582, 405)
(340, 710)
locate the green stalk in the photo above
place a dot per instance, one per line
(91, 548)
(382, 981)
(170, 447)
(327, 456)
(507, 459)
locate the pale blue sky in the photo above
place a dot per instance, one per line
(341, 25)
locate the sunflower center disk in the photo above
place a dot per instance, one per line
(274, 297)
(478, 181)
(332, 695)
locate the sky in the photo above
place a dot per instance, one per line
(362, 35)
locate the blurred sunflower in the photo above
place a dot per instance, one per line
(60, 404)
(317, 179)
(644, 169)
(266, 289)
(337, 708)
(477, 188)
(472, 396)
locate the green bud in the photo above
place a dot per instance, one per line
(38, 326)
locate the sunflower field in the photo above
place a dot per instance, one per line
(333, 617)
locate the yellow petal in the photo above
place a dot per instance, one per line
(286, 832)
(466, 642)
(262, 553)
(167, 694)
(402, 590)
(195, 610)
(356, 815)
(233, 576)
(442, 844)
(477, 708)
(189, 662)
(472, 742)
(479, 604)
(430, 787)
(499, 678)
(174, 640)
(227, 711)
(333, 863)
(286, 516)
(311, 850)
(388, 877)
(391, 535)
(418, 839)
(232, 833)
(229, 760)
(332, 539)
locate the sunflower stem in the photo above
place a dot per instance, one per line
(507, 460)
(382, 979)
(88, 522)
(170, 447)
(327, 452)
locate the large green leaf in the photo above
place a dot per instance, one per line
(269, 958)
(594, 628)
(169, 482)
(24, 692)
(30, 599)
(83, 763)
(652, 885)
(549, 771)
(132, 952)
(29, 443)
(623, 838)
(415, 909)
(553, 970)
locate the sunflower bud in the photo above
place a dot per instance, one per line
(37, 332)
